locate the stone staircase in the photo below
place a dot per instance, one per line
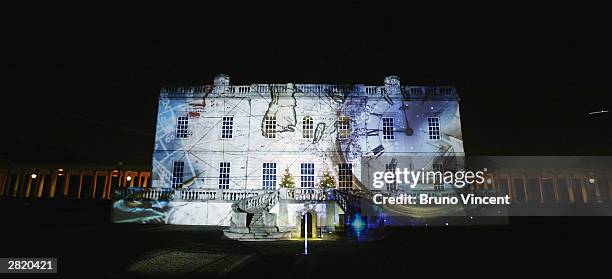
(252, 221)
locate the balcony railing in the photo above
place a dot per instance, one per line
(412, 92)
(299, 194)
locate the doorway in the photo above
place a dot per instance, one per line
(307, 223)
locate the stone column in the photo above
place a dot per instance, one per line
(609, 179)
(95, 183)
(53, 185)
(526, 192)
(28, 187)
(80, 184)
(585, 194)
(541, 188)
(596, 188)
(3, 181)
(570, 188)
(556, 187)
(510, 186)
(105, 188)
(66, 183)
(16, 184)
(41, 185)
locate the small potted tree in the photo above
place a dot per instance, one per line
(286, 182)
(327, 183)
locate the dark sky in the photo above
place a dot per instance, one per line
(82, 82)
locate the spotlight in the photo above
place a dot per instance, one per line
(33, 176)
(128, 178)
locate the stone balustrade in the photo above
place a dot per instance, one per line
(198, 194)
(299, 194)
(257, 203)
(412, 92)
(306, 194)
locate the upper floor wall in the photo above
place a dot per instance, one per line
(289, 117)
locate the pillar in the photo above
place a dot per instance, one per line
(585, 194)
(527, 197)
(608, 178)
(109, 185)
(105, 187)
(596, 185)
(16, 184)
(570, 187)
(41, 186)
(95, 183)
(541, 188)
(53, 185)
(28, 187)
(80, 184)
(66, 183)
(3, 181)
(556, 187)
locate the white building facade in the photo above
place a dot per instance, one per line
(218, 143)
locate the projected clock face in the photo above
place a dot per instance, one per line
(380, 125)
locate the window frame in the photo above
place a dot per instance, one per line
(178, 167)
(388, 134)
(182, 127)
(224, 175)
(433, 128)
(307, 127)
(227, 127)
(345, 176)
(344, 127)
(269, 176)
(270, 127)
(307, 180)
(391, 186)
(438, 185)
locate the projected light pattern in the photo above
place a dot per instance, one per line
(226, 138)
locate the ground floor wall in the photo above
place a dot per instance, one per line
(325, 214)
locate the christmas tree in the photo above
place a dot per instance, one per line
(287, 180)
(327, 181)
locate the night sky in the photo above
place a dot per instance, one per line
(81, 83)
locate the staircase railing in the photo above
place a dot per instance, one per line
(256, 203)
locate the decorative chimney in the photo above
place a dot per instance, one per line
(392, 85)
(221, 84)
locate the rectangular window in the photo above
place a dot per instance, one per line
(307, 177)
(307, 127)
(227, 127)
(177, 173)
(345, 176)
(270, 127)
(434, 127)
(268, 179)
(182, 127)
(438, 185)
(391, 168)
(224, 175)
(387, 126)
(344, 127)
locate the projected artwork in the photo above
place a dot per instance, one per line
(219, 144)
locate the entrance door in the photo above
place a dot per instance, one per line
(308, 223)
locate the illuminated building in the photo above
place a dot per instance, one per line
(218, 144)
